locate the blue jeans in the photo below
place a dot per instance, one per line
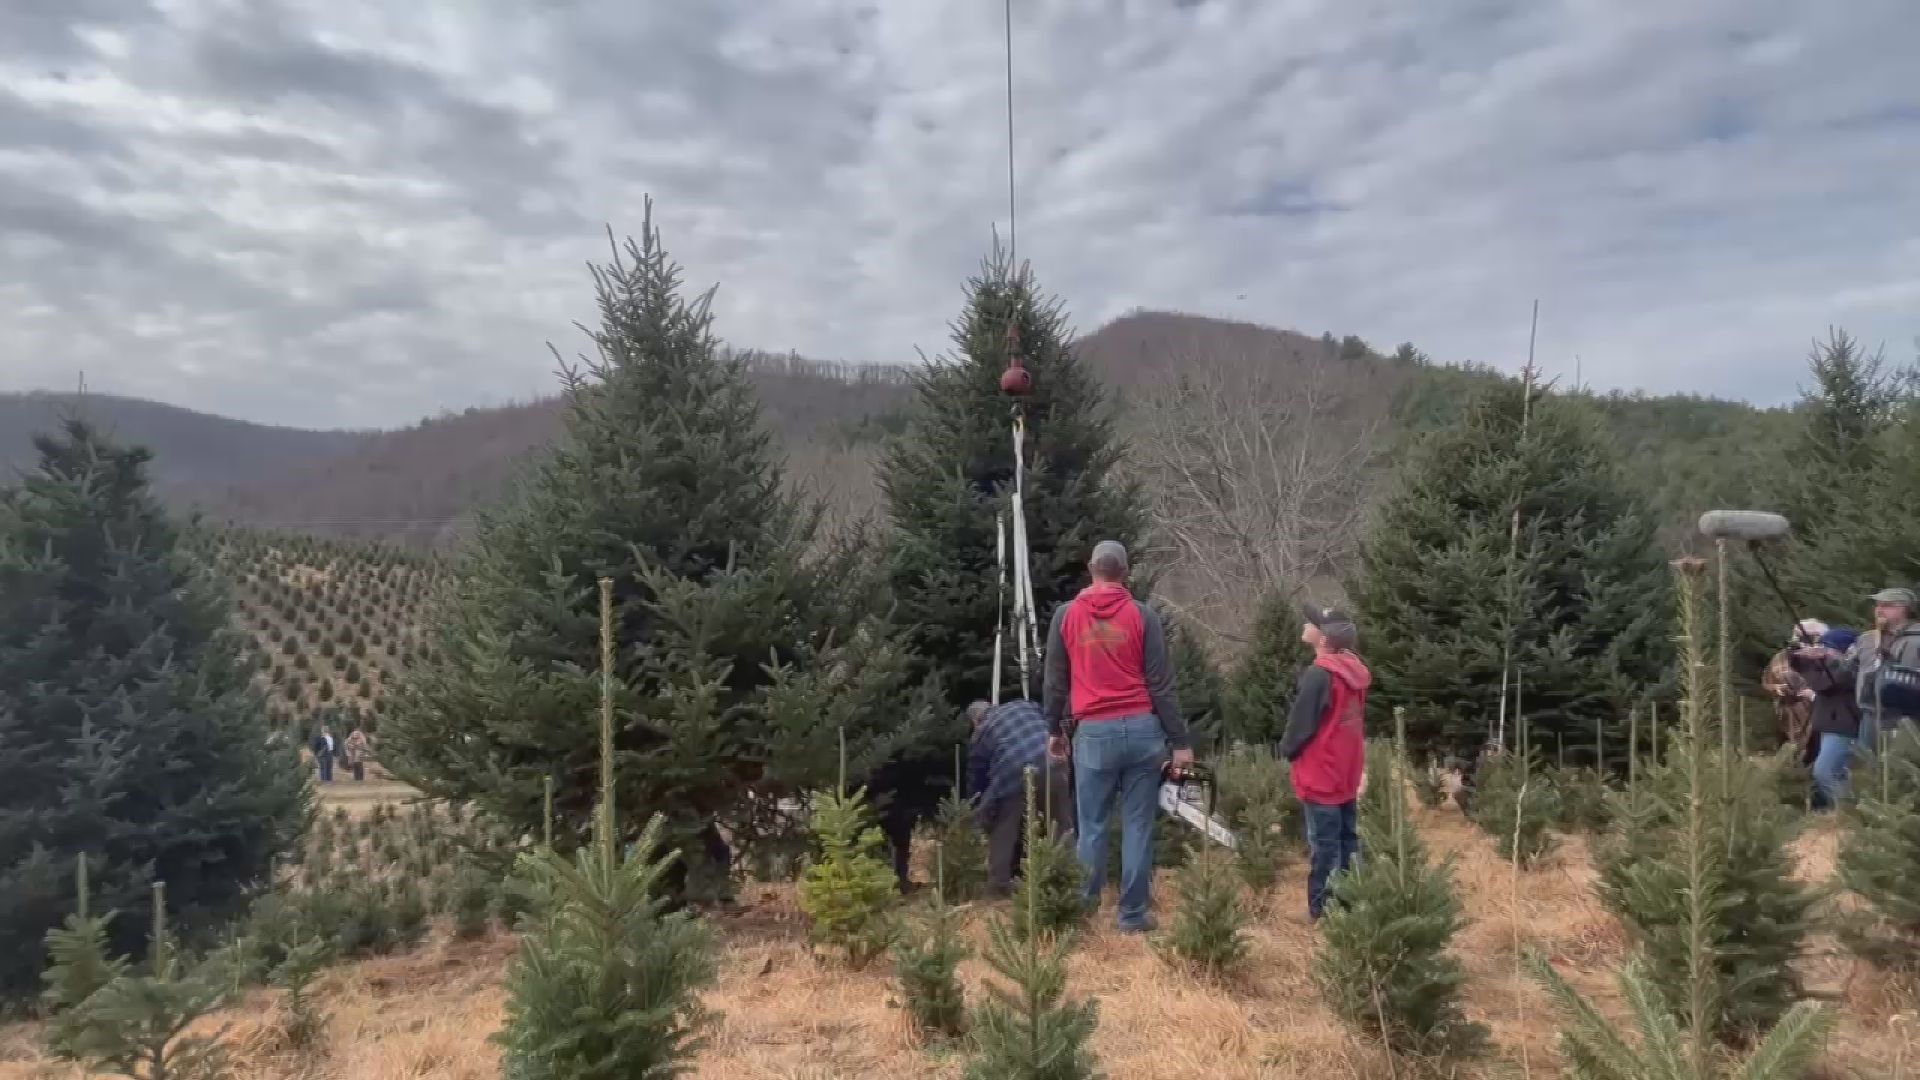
(326, 768)
(1332, 843)
(1830, 769)
(1119, 758)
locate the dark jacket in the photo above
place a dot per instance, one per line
(1834, 712)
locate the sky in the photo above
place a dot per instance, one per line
(348, 213)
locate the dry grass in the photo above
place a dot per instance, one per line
(785, 1016)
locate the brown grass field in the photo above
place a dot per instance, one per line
(426, 1015)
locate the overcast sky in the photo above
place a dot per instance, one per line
(342, 212)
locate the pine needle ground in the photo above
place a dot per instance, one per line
(425, 1014)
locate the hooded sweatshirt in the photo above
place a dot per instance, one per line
(1106, 659)
(1326, 733)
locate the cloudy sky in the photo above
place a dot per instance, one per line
(341, 212)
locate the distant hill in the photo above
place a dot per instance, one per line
(192, 449)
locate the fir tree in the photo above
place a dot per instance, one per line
(133, 1024)
(303, 1022)
(1256, 801)
(925, 964)
(81, 964)
(1676, 1036)
(131, 729)
(1515, 803)
(606, 982)
(1383, 965)
(1051, 897)
(1209, 923)
(1755, 924)
(1261, 686)
(1879, 859)
(1201, 690)
(1456, 598)
(849, 891)
(1029, 1030)
(948, 477)
(743, 641)
(962, 849)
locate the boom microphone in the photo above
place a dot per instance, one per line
(1750, 525)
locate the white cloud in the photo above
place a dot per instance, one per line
(354, 213)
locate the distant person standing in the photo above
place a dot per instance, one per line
(1834, 714)
(1108, 669)
(324, 751)
(1326, 741)
(356, 756)
(1782, 682)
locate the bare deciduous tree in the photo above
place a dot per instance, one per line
(1259, 464)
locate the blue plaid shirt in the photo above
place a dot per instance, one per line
(1011, 739)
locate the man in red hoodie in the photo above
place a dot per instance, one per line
(1107, 668)
(1325, 740)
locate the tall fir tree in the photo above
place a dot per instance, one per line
(1455, 599)
(1201, 689)
(131, 732)
(744, 642)
(1879, 859)
(1260, 688)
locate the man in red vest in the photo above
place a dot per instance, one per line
(1108, 668)
(1326, 742)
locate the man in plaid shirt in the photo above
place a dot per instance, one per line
(1008, 739)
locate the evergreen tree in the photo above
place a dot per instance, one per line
(962, 849)
(743, 642)
(1049, 900)
(131, 729)
(1753, 922)
(1879, 858)
(606, 983)
(925, 964)
(849, 891)
(1673, 1004)
(1209, 923)
(1261, 687)
(1455, 599)
(1256, 801)
(1383, 965)
(1029, 1030)
(1515, 803)
(133, 1024)
(949, 477)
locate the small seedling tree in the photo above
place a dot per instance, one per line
(1029, 1030)
(1673, 1007)
(1258, 804)
(606, 984)
(1879, 859)
(1383, 965)
(1514, 801)
(925, 964)
(1050, 900)
(1209, 922)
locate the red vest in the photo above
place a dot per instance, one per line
(1106, 654)
(1328, 771)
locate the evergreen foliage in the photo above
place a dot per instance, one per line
(743, 642)
(1446, 587)
(1676, 1031)
(133, 1024)
(1256, 801)
(131, 732)
(303, 1022)
(925, 964)
(1029, 1030)
(849, 890)
(1209, 922)
(1201, 690)
(948, 478)
(1879, 859)
(1383, 965)
(1261, 686)
(962, 849)
(1050, 899)
(606, 983)
(1515, 802)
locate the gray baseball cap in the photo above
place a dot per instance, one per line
(1896, 595)
(1336, 624)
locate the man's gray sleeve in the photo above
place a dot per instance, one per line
(1309, 704)
(1054, 687)
(1158, 668)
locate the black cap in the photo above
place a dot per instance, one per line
(1337, 625)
